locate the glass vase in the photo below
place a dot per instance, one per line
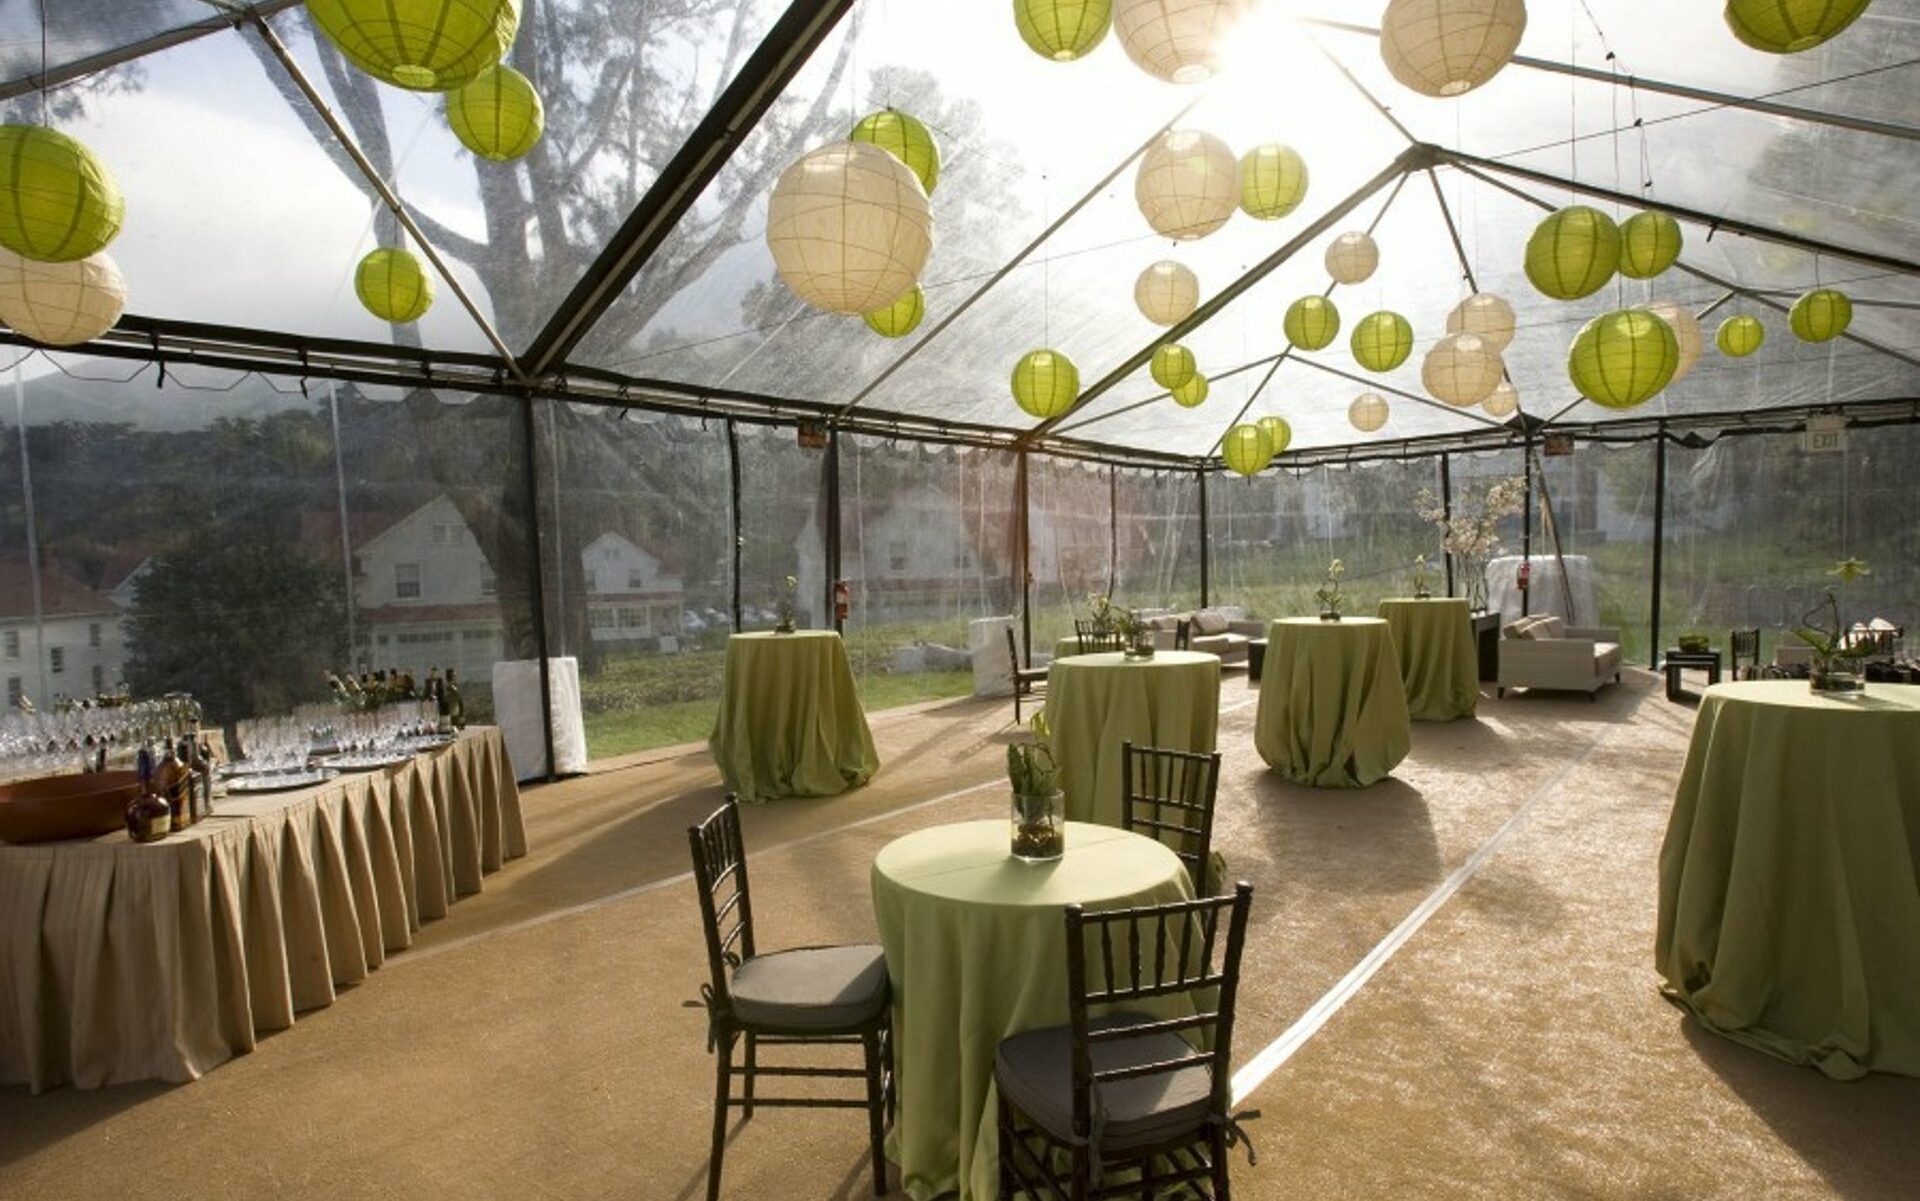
(1140, 646)
(1834, 675)
(1037, 829)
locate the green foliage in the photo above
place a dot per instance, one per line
(1031, 770)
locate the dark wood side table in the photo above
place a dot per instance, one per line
(1486, 639)
(1256, 658)
(1678, 661)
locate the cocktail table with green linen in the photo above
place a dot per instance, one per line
(1097, 702)
(1790, 876)
(1333, 712)
(790, 722)
(1433, 637)
(977, 950)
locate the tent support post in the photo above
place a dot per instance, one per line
(1526, 524)
(733, 494)
(832, 531)
(1023, 538)
(530, 467)
(1206, 542)
(1659, 545)
(1446, 509)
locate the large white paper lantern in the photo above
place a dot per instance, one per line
(849, 227)
(1450, 47)
(1461, 369)
(1486, 315)
(1188, 185)
(1179, 41)
(1167, 292)
(1368, 412)
(1502, 401)
(61, 304)
(1686, 332)
(1352, 257)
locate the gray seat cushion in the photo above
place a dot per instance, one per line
(1035, 1071)
(815, 988)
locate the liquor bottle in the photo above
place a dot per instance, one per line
(203, 763)
(456, 706)
(190, 802)
(149, 817)
(168, 775)
(436, 692)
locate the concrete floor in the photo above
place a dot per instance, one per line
(534, 1044)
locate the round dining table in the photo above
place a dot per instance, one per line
(976, 946)
(1439, 664)
(1333, 710)
(790, 723)
(1096, 703)
(1790, 875)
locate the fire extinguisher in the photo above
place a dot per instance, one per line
(842, 600)
(1526, 574)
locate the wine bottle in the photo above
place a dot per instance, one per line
(167, 778)
(149, 817)
(456, 706)
(203, 763)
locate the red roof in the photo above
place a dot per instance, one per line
(61, 595)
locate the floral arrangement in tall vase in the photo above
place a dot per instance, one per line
(1838, 650)
(1469, 529)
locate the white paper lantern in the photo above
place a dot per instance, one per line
(1189, 184)
(1450, 47)
(1167, 292)
(849, 227)
(1461, 369)
(1486, 315)
(1352, 257)
(1179, 41)
(1502, 401)
(1368, 412)
(1686, 332)
(61, 304)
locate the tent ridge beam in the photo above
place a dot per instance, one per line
(106, 60)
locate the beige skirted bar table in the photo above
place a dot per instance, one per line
(1333, 712)
(1439, 663)
(1790, 876)
(1095, 703)
(790, 723)
(976, 945)
(124, 962)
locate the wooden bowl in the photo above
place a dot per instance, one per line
(74, 806)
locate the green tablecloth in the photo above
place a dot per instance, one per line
(976, 947)
(1790, 876)
(1097, 702)
(790, 722)
(1439, 663)
(1333, 712)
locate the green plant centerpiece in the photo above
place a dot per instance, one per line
(785, 624)
(1469, 528)
(1836, 655)
(1037, 826)
(1331, 599)
(1102, 616)
(1136, 634)
(1693, 642)
(1421, 578)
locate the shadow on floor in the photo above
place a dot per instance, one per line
(1359, 840)
(78, 1111)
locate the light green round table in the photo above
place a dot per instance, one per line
(1333, 712)
(1790, 876)
(976, 945)
(1097, 702)
(1439, 665)
(790, 722)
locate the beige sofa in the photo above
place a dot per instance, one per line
(1545, 652)
(1222, 630)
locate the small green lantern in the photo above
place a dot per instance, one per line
(394, 285)
(498, 116)
(1277, 433)
(901, 317)
(905, 139)
(1821, 315)
(1193, 393)
(1173, 365)
(1573, 252)
(1045, 383)
(1244, 450)
(58, 203)
(1273, 181)
(1311, 322)
(1062, 30)
(1649, 244)
(1621, 359)
(1382, 341)
(420, 45)
(1740, 336)
(1790, 26)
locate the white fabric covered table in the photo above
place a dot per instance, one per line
(516, 707)
(1548, 598)
(122, 962)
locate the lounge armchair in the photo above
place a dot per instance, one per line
(1545, 652)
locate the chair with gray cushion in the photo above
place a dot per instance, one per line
(1133, 1102)
(808, 995)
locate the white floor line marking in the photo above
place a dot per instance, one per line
(1268, 1061)
(1241, 705)
(613, 898)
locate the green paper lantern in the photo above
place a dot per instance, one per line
(1062, 30)
(1191, 394)
(1621, 359)
(1173, 366)
(394, 285)
(1277, 433)
(1382, 341)
(498, 116)
(1821, 315)
(901, 317)
(58, 203)
(1273, 181)
(1649, 244)
(420, 45)
(1740, 336)
(1311, 322)
(1245, 450)
(1573, 253)
(1790, 26)
(905, 139)
(1045, 383)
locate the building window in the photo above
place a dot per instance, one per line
(13, 644)
(445, 535)
(93, 634)
(57, 659)
(962, 560)
(896, 556)
(406, 581)
(99, 679)
(14, 692)
(601, 619)
(636, 580)
(489, 583)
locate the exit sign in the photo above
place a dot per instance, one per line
(1825, 434)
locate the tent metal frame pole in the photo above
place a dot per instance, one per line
(1469, 414)
(106, 60)
(733, 501)
(1446, 508)
(832, 532)
(530, 468)
(1023, 531)
(1206, 541)
(1659, 546)
(1466, 269)
(1526, 524)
